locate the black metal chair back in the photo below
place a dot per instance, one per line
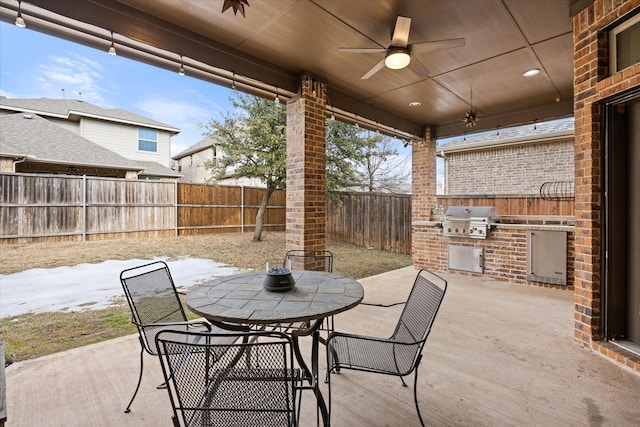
(251, 382)
(155, 306)
(153, 300)
(401, 353)
(313, 260)
(414, 324)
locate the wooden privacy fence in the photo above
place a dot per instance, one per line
(204, 209)
(62, 207)
(37, 207)
(374, 220)
(514, 205)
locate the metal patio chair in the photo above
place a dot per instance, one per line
(399, 354)
(314, 260)
(155, 306)
(251, 382)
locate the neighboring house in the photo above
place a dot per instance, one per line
(513, 161)
(191, 164)
(143, 144)
(31, 144)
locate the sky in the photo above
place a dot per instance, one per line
(90, 286)
(36, 65)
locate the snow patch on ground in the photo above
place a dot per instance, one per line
(90, 286)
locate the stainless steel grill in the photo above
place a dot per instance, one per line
(468, 221)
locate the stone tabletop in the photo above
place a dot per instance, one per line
(242, 299)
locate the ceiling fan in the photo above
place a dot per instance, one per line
(399, 54)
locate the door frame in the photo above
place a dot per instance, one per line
(615, 217)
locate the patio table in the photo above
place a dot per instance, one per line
(240, 301)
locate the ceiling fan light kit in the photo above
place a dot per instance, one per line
(397, 58)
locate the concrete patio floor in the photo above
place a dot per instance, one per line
(499, 355)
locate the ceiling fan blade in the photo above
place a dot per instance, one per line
(400, 36)
(437, 45)
(417, 67)
(379, 66)
(362, 49)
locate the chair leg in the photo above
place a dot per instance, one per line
(128, 409)
(415, 392)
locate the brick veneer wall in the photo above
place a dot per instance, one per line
(423, 175)
(423, 194)
(505, 253)
(591, 85)
(306, 168)
(517, 169)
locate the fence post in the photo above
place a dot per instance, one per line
(175, 203)
(242, 208)
(84, 208)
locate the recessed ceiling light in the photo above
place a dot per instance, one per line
(531, 72)
(415, 104)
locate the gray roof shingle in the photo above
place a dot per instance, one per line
(156, 169)
(523, 134)
(67, 108)
(203, 144)
(29, 134)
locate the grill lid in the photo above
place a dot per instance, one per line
(487, 213)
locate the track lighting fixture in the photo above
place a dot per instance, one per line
(19, 19)
(112, 48)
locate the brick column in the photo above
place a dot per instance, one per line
(591, 85)
(306, 167)
(423, 183)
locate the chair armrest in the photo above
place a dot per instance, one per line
(373, 304)
(204, 324)
(368, 338)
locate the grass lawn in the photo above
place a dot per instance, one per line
(33, 335)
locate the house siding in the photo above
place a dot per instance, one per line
(515, 169)
(193, 168)
(194, 171)
(123, 139)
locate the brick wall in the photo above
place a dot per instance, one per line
(306, 165)
(423, 174)
(423, 195)
(505, 253)
(591, 85)
(516, 169)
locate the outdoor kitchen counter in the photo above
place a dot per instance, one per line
(495, 225)
(545, 227)
(519, 223)
(505, 252)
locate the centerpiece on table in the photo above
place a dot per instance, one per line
(279, 277)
